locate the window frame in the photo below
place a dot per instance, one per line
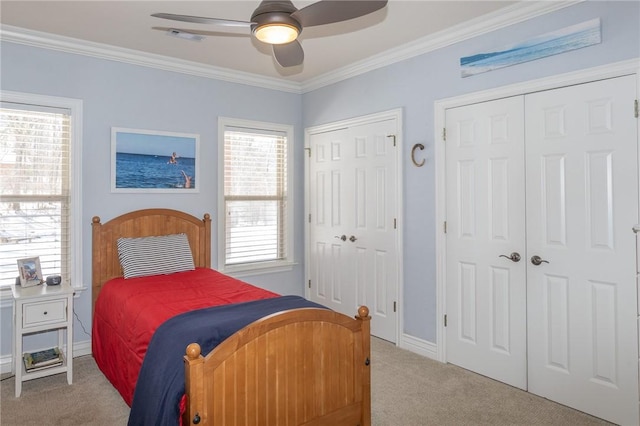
(265, 266)
(75, 178)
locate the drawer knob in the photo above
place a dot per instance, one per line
(45, 312)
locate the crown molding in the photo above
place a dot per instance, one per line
(104, 51)
(514, 14)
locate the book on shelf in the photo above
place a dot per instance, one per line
(43, 367)
(42, 359)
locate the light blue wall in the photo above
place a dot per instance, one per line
(122, 95)
(415, 84)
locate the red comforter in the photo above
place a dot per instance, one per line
(128, 312)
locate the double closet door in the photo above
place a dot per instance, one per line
(353, 210)
(542, 197)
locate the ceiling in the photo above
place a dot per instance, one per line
(128, 24)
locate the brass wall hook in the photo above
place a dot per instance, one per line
(413, 154)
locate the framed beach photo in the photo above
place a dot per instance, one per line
(566, 39)
(30, 271)
(147, 161)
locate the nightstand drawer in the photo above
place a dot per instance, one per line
(44, 312)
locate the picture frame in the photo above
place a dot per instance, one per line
(30, 271)
(149, 161)
(564, 40)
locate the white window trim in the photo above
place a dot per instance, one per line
(255, 268)
(75, 106)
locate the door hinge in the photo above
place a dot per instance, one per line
(308, 152)
(444, 133)
(636, 108)
(394, 139)
(309, 283)
(445, 226)
(395, 223)
(445, 320)
(309, 217)
(394, 306)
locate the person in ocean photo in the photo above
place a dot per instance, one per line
(187, 180)
(173, 159)
(142, 164)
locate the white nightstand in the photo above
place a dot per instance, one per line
(42, 308)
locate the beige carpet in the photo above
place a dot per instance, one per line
(90, 400)
(407, 390)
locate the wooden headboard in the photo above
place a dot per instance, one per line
(144, 223)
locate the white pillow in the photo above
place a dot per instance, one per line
(159, 255)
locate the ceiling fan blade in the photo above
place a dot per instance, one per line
(203, 20)
(330, 11)
(288, 55)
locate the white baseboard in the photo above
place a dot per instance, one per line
(5, 364)
(419, 346)
(82, 348)
(79, 349)
(410, 343)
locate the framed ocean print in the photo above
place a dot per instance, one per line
(148, 161)
(573, 37)
(30, 271)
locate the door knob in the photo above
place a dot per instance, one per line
(343, 238)
(537, 260)
(352, 238)
(514, 257)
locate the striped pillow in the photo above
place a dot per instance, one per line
(165, 254)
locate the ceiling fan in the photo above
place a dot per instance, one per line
(279, 22)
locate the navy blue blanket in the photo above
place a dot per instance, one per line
(160, 384)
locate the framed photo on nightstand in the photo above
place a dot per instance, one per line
(30, 271)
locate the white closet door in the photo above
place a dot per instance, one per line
(582, 202)
(353, 244)
(486, 290)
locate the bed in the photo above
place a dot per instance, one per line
(305, 365)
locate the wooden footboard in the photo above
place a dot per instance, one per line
(298, 367)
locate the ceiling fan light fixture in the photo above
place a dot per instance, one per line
(280, 23)
(277, 33)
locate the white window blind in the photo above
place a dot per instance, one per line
(255, 196)
(35, 196)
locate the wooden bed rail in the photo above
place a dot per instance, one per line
(299, 367)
